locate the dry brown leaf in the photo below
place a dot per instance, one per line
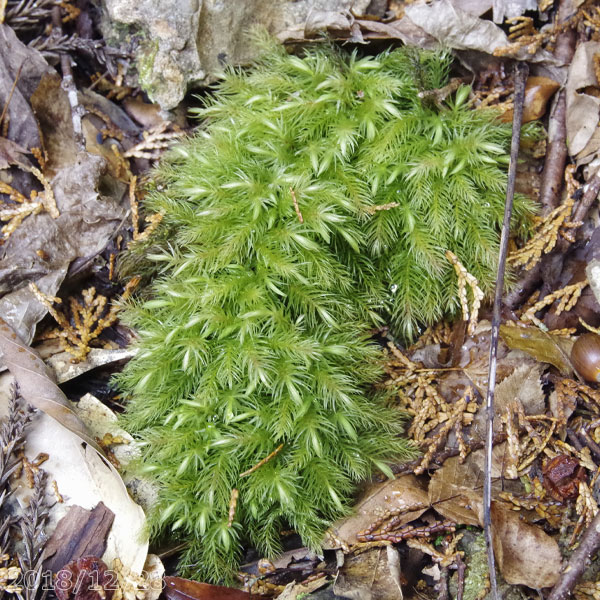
(376, 501)
(523, 385)
(525, 554)
(36, 383)
(553, 349)
(11, 153)
(371, 575)
(455, 491)
(457, 29)
(582, 107)
(538, 92)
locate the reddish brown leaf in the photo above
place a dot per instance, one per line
(186, 589)
(87, 578)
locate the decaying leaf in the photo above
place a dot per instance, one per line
(36, 383)
(186, 589)
(371, 575)
(86, 222)
(456, 490)
(460, 30)
(545, 347)
(583, 107)
(526, 555)
(26, 66)
(523, 385)
(376, 502)
(11, 153)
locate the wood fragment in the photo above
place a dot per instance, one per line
(79, 533)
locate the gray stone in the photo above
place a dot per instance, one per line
(185, 44)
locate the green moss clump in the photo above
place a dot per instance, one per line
(276, 266)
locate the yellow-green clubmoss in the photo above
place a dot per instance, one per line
(277, 264)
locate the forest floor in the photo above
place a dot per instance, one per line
(78, 140)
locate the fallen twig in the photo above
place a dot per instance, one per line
(588, 546)
(68, 84)
(442, 585)
(460, 575)
(521, 71)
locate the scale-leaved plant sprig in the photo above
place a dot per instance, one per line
(253, 338)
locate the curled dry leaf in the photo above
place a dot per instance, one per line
(457, 29)
(545, 347)
(36, 383)
(11, 153)
(375, 503)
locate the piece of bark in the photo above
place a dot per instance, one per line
(79, 533)
(556, 156)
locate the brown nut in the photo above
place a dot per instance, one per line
(585, 356)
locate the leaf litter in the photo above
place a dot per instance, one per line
(547, 425)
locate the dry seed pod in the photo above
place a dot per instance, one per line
(585, 356)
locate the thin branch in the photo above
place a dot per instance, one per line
(460, 569)
(263, 461)
(521, 71)
(588, 546)
(68, 84)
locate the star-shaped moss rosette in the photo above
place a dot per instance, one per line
(319, 195)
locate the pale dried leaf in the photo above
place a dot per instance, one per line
(11, 153)
(457, 29)
(36, 383)
(296, 590)
(375, 502)
(370, 575)
(582, 107)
